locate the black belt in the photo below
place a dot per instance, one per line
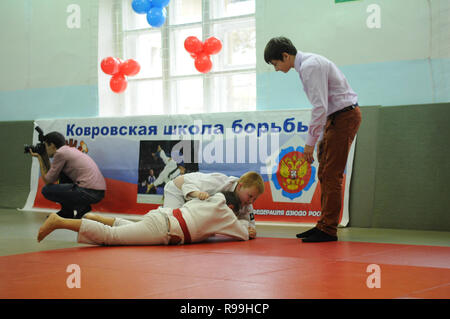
(345, 109)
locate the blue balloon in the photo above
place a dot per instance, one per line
(141, 6)
(160, 3)
(156, 16)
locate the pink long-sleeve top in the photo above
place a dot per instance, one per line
(326, 88)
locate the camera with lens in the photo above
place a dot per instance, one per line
(39, 147)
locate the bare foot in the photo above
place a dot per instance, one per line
(49, 225)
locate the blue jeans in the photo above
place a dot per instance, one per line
(72, 197)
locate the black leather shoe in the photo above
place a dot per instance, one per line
(307, 233)
(319, 237)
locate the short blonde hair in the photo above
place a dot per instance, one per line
(252, 179)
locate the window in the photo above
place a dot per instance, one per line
(168, 82)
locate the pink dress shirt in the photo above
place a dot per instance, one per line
(326, 88)
(79, 167)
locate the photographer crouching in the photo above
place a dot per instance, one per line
(82, 183)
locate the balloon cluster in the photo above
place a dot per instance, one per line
(201, 51)
(155, 10)
(118, 70)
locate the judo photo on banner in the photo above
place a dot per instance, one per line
(157, 166)
(139, 155)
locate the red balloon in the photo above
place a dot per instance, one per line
(118, 83)
(110, 65)
(193, 45)
(130, 67)
(203, 63)
(212, 46)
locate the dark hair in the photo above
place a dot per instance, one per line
(276, 47)
(56, 138)
(232, 199)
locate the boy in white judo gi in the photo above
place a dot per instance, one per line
(200, 185)
(195, 221)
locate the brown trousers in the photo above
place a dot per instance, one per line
(340, 130)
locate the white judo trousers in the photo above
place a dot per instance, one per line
(203, 219)
(153, 229)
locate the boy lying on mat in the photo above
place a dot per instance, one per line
(202, 185)
(195, 221)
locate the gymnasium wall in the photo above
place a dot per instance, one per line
(392, 52)
(15, 166)
(401, 168)
(48, 59)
